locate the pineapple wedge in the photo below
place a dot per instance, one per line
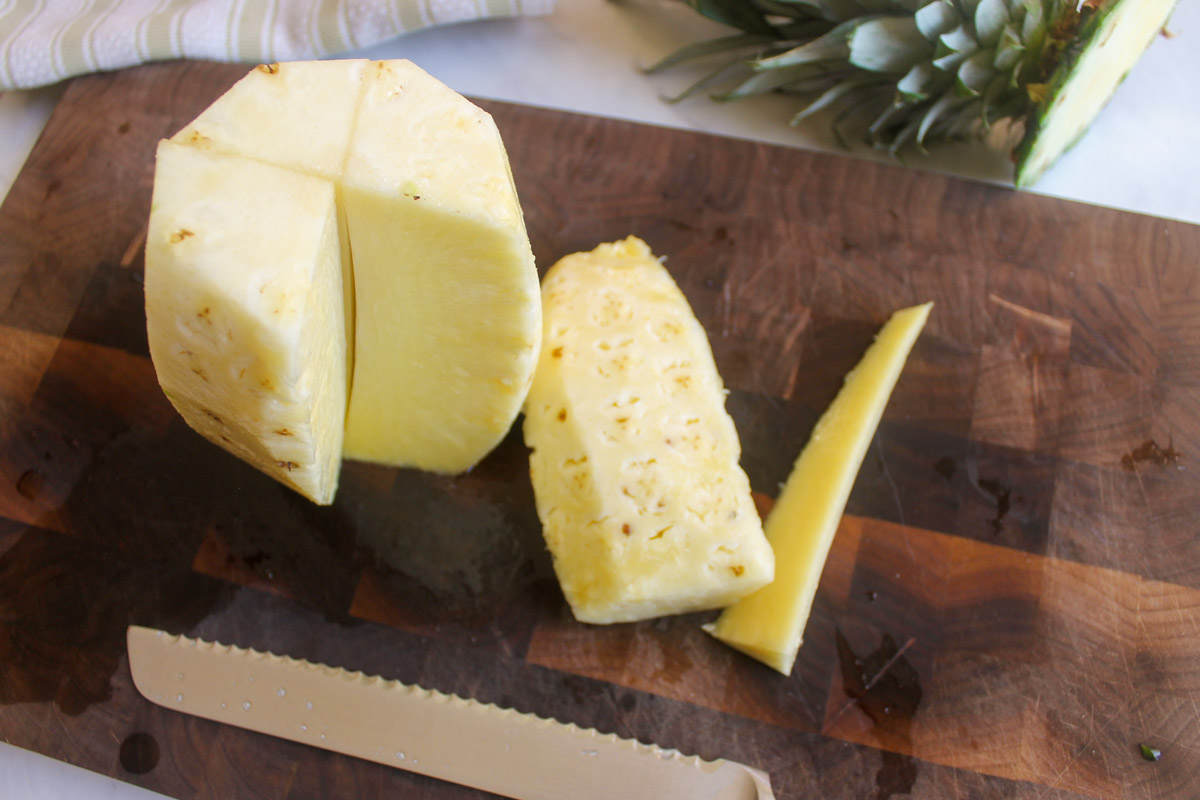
(448, 305)
(634, 459)
(440, 337)
(261, 117)
(244, 311)
(769, 624)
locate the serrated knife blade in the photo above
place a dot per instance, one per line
(444, 736)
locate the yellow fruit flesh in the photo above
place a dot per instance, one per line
(769, 624)
(441, 371)
(448, 308)
(451, 313)
(299, 115)
(634, 459)
(1123, 37)
(244, 311)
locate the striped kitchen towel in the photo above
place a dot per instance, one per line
(44, 41)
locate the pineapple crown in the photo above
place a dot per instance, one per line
(896, 72)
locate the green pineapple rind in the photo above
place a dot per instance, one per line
(1040, 147)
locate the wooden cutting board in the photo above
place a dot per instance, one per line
(1011, 607)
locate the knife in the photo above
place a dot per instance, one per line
(441, 735)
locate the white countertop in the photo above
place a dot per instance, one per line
(1142, 154)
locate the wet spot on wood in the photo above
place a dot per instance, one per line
(139, 753)
(946, 467)
(1149, 452)
(29, 485)
(1003, 495)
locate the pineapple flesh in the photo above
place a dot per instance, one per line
(1113, 41)
(436, 347)
(262, 116)
(448, 308)
(299, 115)
(634, 459)
(244, 311)
(769, 624)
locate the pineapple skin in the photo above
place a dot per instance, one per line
(1111, 41)
(634, 459)
(244, 311)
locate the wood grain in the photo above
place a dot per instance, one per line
(1010, 607)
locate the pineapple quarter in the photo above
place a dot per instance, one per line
(634, 458)
(448, 305)
(244, 311)
(436, 290)
(298, 115)
(769, 624)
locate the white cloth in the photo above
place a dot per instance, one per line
(45, 41)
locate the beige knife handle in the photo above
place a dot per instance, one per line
(444, 736)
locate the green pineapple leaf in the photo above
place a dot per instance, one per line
(734, 13)
(990, 18)
(976, 73)
(917, 82)
(888, 44)
(834, 94)
(832, 46)
(904, 73)
(937, 18)
(768, 81)
(739, 41)
(1009, 50)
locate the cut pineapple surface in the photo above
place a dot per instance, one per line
(449, 311)
(634, 459)
(298, 115)
(1113, 41)
(441, 335)
(244, 311)
(769, 624)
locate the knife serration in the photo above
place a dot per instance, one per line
(444, 736)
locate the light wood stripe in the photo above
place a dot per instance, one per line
(997, 655)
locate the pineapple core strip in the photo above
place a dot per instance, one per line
(769, 624)
(634, 459)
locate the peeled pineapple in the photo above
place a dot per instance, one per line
(430, 315)
(634, 459)
(448, 305)
(245, 312)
